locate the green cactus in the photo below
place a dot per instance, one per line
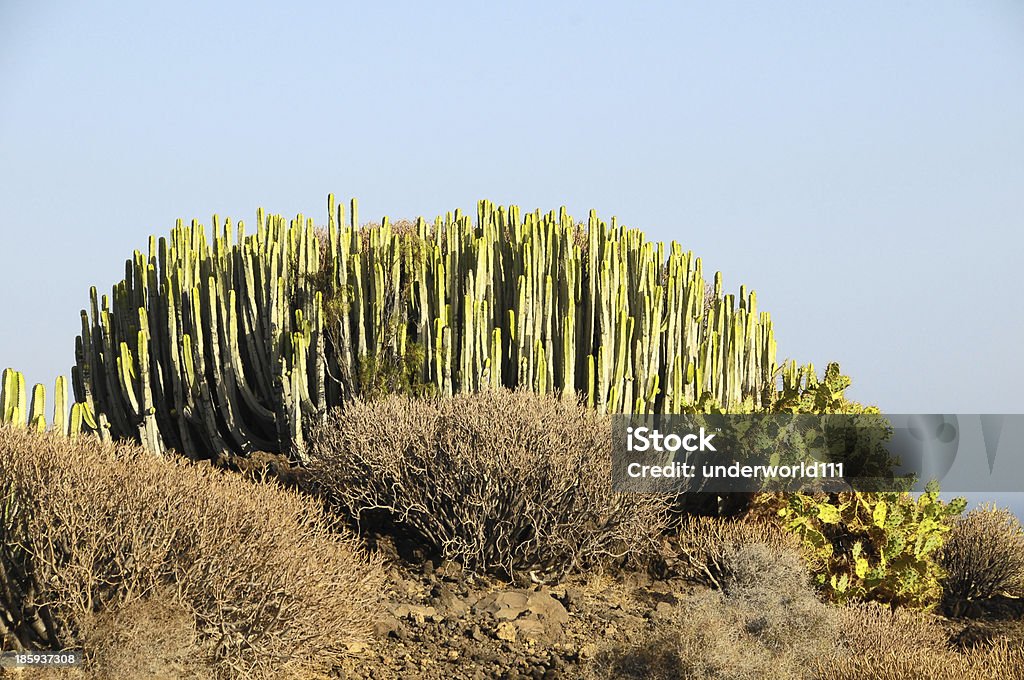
(13, 399)
(233, 343)
(872, 546)
(17, 411)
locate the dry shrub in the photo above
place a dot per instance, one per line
(870, 628)
(154, 637)
(767, 622)
(704, 548)
(1001, 661)
(89, 528)
(983, 556)
(500, 481)
(881, 643)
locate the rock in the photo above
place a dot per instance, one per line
(415, 612)
(573, 598)
(447, 601)
(530, 628)
(505, 631)
(386, 626)
(503, 604)
(509, 605)
(450, 571)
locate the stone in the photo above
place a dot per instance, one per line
(449, 570)
(509, 605)
(505, 631)
(573, 598)
(385, 626)
(530, 628)
(415, 612)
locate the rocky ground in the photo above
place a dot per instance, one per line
(444, 623)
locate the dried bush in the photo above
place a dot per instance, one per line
(154, 637)
(704, 549)
(501, 481)
(984, 557)
(88, 528)
(1001, 661)
(871, 628)
(881, 643)
(767, 622)
(779, 630)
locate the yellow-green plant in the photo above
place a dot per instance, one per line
(861, 545)
(17, 410)
(237, 342)
(872, 546)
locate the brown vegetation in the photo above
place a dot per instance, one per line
(1002, 661)
(160, 568)
(765, 622)
(704, 549)
(501, 481)
(984, 558)
(92, 531)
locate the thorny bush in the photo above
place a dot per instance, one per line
(501, 481)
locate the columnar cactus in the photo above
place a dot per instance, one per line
(231, 344)
(18, 411)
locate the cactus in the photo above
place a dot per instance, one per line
(233, 342)
(17, 411)
(13, 400)
(872, 546)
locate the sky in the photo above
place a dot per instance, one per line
(859, 165)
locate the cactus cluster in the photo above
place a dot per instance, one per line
(230, 344)
(18, 410)
(872, 546)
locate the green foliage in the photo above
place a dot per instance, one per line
(872, 546)
(861, 545)
(380, 376)
(803, 392)
(861, 429)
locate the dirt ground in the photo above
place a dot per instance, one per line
(443, 623)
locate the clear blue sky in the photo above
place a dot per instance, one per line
(861, 165)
